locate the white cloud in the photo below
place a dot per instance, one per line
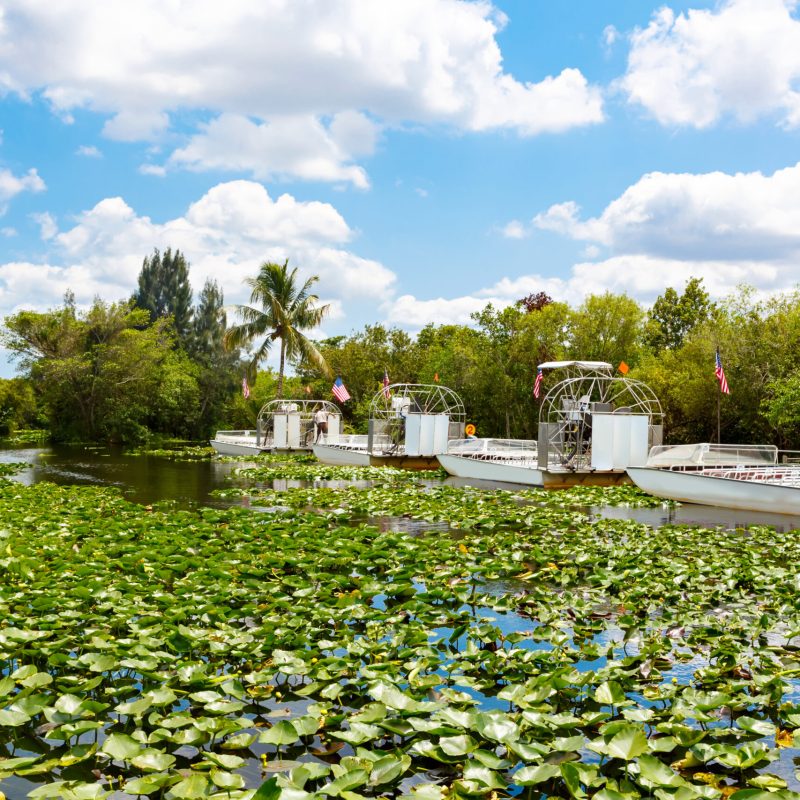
(298, 146)
(514, 230)
(11, 185)
(344, 66)
(89, 151)
(610, 35)
(153, 169)
(741, 59)
(47, 225)
(225, 235)
(707, 217)
(8, 232)
(663, 230)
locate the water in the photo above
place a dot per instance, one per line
(151, 479)
(143, 479)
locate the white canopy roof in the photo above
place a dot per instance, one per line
(579, 364)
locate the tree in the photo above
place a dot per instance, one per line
(286, 310)
(164, 289)
(218, 368)
(105, 374)
(534, 302)
(607, 327)
(674, 316)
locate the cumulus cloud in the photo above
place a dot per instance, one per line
(89, 151)
(707, 217)
(662, 231)
(11, 185)
(297, 146)
(741, 58)
(225, 235)
(333, 68)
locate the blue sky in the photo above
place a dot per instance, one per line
(423, 157)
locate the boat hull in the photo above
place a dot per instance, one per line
(708, 490)
(484, 470)
(352, 457)
(235, 449)
(508, 472)
(244, 445)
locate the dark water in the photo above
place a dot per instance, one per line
(143, 479)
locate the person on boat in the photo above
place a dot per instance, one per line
(321, 422)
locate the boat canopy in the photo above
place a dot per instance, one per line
(594, 418)
(586, 365)
(305, 408)
(705, 454)
(401, 399)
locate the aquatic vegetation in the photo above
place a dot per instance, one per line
(181, 453)
(214, 652)
(294, 470)
(12, 467)
(417, 498)
(26, 436)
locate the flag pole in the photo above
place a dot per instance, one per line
(719, 439)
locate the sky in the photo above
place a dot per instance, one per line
(422, 157)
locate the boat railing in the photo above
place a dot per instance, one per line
(789, 456)
(709, 455)
(351, 441)
(788, 475)
(494, 449)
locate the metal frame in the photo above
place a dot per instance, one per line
(305, 408)
(565, 416)
(391, 404)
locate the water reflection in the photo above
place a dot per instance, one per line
(701, 516)
(143, 479)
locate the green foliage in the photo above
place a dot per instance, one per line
(164, 289)
(104, 374)
(284, 310)
(217, 368)
(18, 407)
(606, 327)
(674, 316)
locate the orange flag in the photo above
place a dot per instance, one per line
(623, 368)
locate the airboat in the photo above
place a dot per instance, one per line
(593, 424)
(745, 477)
(281, 426)
(409, 425)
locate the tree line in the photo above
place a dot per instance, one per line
(159, 364)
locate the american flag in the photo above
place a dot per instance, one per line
(537, 384)
(340, 391)
(720, 373)
(245, 388)
(386, 391)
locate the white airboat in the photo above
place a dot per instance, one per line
(746, 477)
(409, 425)
(593, 424)
(281, 426)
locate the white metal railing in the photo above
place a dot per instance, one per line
(350, 441)
(516, 450)
(705, 454)
(775, 476)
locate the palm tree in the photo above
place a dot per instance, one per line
(285, 311)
